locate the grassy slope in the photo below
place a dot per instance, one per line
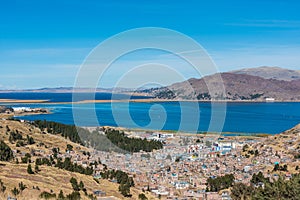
(49, 178)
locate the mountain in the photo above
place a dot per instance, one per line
(236, 87)
(255, 84)
(69, 90)
(271, 73)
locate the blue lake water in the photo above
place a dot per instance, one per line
(63, 97)
(243, 117)
(240, 117)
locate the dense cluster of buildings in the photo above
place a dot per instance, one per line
(180, 170)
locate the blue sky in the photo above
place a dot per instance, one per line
(43, 43)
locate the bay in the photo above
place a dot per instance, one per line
(260, 117)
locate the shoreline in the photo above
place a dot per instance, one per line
(128, 129)
(175, 132)
(181, 133)
(148, 100)
(22, 101)
(199, 133)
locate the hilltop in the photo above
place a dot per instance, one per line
(236, 87)
(277, 73)
(252, 84)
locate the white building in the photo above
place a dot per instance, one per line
(21, 109)
(270, 99)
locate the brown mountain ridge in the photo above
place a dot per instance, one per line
(230, 86)
(271, 73)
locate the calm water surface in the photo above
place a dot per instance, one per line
(240, 117)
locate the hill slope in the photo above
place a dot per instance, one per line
(236, 87)
(283, 147)
(48, 178)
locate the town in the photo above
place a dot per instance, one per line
(166, 165)
(182, 167)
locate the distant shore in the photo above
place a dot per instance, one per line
(35, 111)
(148, 100)
(22, 101)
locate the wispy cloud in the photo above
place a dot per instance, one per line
(272, 23)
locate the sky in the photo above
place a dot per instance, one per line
(44, 43)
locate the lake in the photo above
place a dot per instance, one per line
(63, 97)
(260, 117)
(240, 117)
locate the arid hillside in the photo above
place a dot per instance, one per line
(230, 86)
(27, 141)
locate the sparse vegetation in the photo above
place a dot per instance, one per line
(15, 191)
(75, 195)
(29, 169)
(69, 147)
(2, 186)
(67, 131)
(277, 167)
(204, 96)
(14, 136)
(30, 140)
(277, 189)
(32, 160)
(69, 166)
(61, 195)
(26, 158)
(245, 148)
(132, 144)
(74, 184)
(122, 178)
(219, 183)
(47, 195)
(165, 94)
(142, 197)
(6, 153)
(255, 96)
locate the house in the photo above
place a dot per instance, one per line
(181, 185)
(11, 198)
(269, 99)
(99, 193)
(225, 195)
(212, 196)
(21, 109)
(247, 168)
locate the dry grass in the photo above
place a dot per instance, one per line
(49, 178)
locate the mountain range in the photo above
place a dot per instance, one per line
(253, 84)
